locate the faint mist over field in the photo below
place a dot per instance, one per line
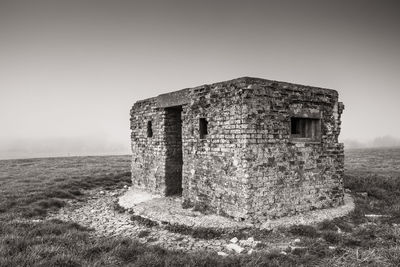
(60, 147)
(378, 142)
(86, 146)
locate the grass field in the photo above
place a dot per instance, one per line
(30, 188)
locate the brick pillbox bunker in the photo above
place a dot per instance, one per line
(251, 149)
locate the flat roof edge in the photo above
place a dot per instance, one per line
(180, 97)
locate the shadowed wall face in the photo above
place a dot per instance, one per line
(148, 153)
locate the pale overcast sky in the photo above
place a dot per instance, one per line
(72, 69)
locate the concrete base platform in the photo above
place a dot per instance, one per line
(169, 209)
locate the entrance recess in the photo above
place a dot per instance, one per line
(173, 140)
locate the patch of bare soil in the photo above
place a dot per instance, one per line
(106, 218)
(99, 213)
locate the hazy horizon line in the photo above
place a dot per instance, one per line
(89, 146)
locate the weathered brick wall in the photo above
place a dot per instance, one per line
(213, 174)
(285, 176)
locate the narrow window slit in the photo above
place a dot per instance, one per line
(203, 128)
(149, 129)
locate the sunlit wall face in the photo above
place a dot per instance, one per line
(70, 70)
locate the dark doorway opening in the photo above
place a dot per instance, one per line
(173, 140)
